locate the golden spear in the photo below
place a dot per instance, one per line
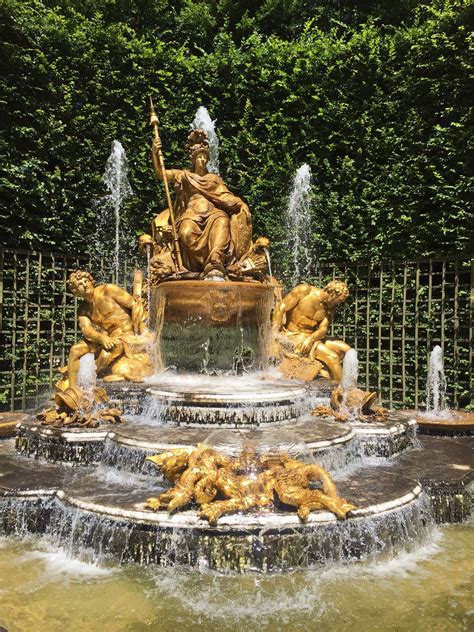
(155, 123)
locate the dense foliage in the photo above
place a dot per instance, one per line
(372, 95)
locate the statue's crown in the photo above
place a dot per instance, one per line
(198, 141)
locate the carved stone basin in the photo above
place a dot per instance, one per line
(211, 324)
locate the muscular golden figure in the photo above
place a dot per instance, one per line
(112, 323)
(304, 317)
(214, 226)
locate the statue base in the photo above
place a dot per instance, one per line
(212, 325)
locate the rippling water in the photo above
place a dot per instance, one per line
(43, 589)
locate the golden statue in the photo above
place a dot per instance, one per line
(207, 229)
(352, 403)
(113, 324)
(301, 323)
(222, 484)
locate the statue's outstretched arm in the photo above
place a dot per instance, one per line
(156, 164)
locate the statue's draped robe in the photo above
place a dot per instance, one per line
(206, 247)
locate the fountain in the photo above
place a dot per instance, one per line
(87, 374)
(298, 224)
(115, 178)
(204, 452)
(438, 417)
(202, 120)
(436, 386)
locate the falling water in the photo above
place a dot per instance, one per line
(436, 386)
(148, 281)
(203, 121)
(350, 370)
(298, 223)
(269, 263)
(205, 359)
(116, 181)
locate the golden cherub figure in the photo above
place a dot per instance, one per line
(301, 323)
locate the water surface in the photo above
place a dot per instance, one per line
(44, 589)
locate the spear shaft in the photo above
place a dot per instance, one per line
(155, 123)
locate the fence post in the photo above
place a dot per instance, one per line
(417, 325)
(25, 330)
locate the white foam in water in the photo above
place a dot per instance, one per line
(110, 475)
(151, 414)
(58, 563)
(252, 599)
(401, 564)
(252, 380)
(258, 598)
(203, 121)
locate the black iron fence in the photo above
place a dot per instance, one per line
(396, 313)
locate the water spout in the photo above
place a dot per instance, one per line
(350, 370)
(116, 181)
(298, 224)
(87, 375)
(436, 385)
(206, 357)
(203, 121)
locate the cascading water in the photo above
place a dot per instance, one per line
(269, 263)
(205, 359)
(436, 386)
(298, 224)
(203, 121)
(148, 281)
(116, 180)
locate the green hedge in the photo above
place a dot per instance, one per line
(373, 95)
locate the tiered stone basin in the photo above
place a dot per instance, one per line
(99, 503)
(101, 508)
(181, 411)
